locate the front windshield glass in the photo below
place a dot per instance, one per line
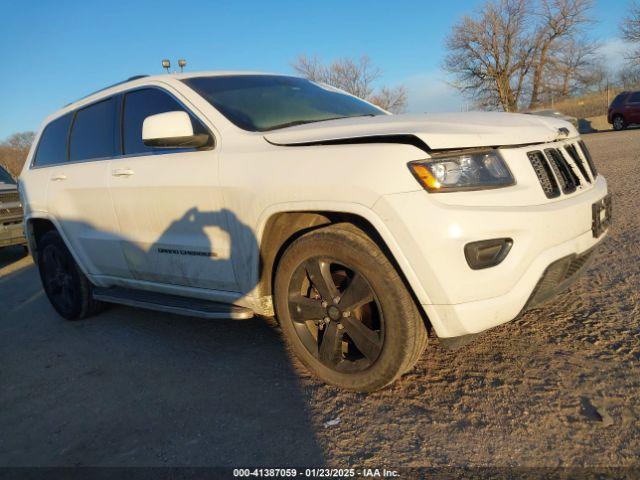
(5, 177)
(266, 102)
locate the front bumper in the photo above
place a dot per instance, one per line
(461, 301)
(12, 234)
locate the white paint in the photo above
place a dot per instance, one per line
(220, 200)
(167, 125)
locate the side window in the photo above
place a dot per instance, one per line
(140, 104)
(5, 177)
(619, 100)
(92, 134)
(52, 148)
(634, 98)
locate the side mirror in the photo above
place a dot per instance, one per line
(172, 130)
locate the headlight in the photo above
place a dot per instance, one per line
(462, 171)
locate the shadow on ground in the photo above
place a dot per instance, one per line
(9, 255)
(130, 387)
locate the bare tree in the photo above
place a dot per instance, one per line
(391, 99)
(573, 67)
(629, 76)
(631, 31)
(558, 20)
(14, 150)
(356, 76)
(490, 55)
(513, 47)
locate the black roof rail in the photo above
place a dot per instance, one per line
(135, 77)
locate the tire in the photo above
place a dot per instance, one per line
(374, 330)
(618, 122)
(67, 288)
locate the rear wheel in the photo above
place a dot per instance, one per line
(345, 310)
(618, 122)
(66, 287)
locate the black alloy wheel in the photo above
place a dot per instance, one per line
(67, 288)
(618, 122)
(336, 314)
(345, 311)
(59, 279)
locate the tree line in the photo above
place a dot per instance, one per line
(14, 150)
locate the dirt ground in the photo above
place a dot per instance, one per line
(559, 387)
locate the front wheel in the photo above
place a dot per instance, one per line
(618, 122)
(345, 311)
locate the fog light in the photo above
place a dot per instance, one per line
(487, 253)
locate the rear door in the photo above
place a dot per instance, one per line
(77, 192)
(633, 108)
(168, 202)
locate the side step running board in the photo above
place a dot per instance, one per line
(192, 307)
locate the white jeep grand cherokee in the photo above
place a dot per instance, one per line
(226, 194)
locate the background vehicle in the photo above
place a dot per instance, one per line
(624, 110)
(225, 194)
(11, 229)
(555, 114)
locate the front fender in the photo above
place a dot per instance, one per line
(354, 209)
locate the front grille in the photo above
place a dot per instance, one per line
(573, 153)
(562, 169)
(544, 174)
(10, 212)
(587, 155)
(9, 197)
(568, 179)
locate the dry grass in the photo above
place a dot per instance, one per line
(586, 106)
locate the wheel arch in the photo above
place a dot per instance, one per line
(36, 226)
(283, 227)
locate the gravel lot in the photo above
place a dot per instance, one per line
(558, 387)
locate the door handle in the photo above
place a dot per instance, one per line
(58, 177)
(122, 172)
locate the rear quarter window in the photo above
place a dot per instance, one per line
(52, 148)
(634, 98)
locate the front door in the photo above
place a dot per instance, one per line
(168, 203)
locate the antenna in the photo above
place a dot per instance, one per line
(166, 64)
(182, 63)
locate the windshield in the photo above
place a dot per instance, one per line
(5, 177)
(267, 102)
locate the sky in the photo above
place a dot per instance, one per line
(53, 52)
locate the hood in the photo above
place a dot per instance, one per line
(437, 131)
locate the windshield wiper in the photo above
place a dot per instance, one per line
(304, 122)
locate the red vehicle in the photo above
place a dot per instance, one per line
(624, 110)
